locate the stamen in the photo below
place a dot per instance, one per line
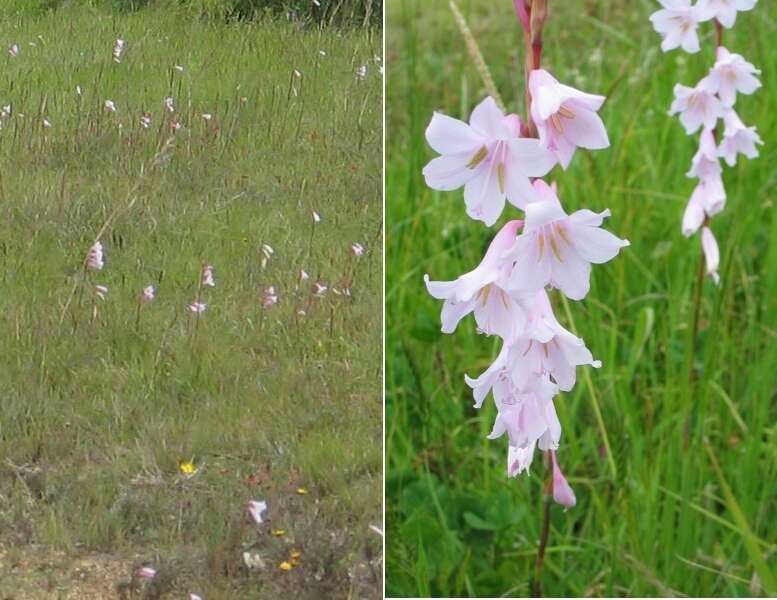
(484, 294)
(554, 247)
(500, 176)
(478, 158)
(566, 112)
(563, 234)
(504, 299)
(554, 118)
(541, 238)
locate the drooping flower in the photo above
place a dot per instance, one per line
(197, 308)
(725, 11)
(269, 297)
(731, 74)
(13, 50)
(566, 118)
(101, 291)
(110, 106)
(145, 121)
(711, 253)
(558, 249)
(737, 139)
(146, 572)
(361, 72)
(319, 289)
(484, 291)
(562, 492)
(303, 275)
(488, 157)
(194, 597)
(256, 508)
(148, 294)
(708, 199)
(357, 249)
(206, 278)
(267, 252)
(696, 106)
(519, 459)
(169, 104)
(118, 50)
(95, 259)
(705, 163)
(316, 217)
(677, 22)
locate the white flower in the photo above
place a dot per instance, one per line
(361, 72)
(95, 259)
(711, 253)
(206, 116)
(101, 291)
(677, 23)
(178, 68)
(206, 279)
(737, 139)
(149, 293)
(110, 106)
(46, 123)
(708, 199)
(697, 106)
(705, 162)
(256, 508)
(319, 289)
(146, 572)
(169, 104)
(145, 121)
(357, 249)
(197, 307)
(14, 50)
(731, 74)
(118, 50)
(303, 276)
(269, 297)
(724, 11)
(316, 217)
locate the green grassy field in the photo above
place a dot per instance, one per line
(659, 519)
(98, 406)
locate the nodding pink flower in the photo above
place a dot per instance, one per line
(705, 163)
(148, 294)
(488, 157)
(731, 74)
(562, 492)
(206, 279)
(95, 259)
(319, 289)
(169, 104)
(708, 199)
(13, 50)
(174, 125)
(145, 121)
(483, 291)
(197, 308)
(146, 572)
(527, 418)
(711, 253)
(269, 297)
(110, 106)
(566, 118)
(357, 249)
(316, 217)
(118, 50)
(101, 291)
(677, 22)
(725, 11)
(256, 508)
(737, 139)
(519, 459)
(558, 249)
(697, 106)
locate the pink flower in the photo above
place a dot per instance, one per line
(118, 50)
(731, 74)
(488, 157)
(566, 118)
(562, 492)
(149, 293)
(519, 459)
(711, 253)
(95, 259)
(696, 106)
(110, 106)
(737, 139)
(319, 289)
(269, 297)
(705, 163)
(13, 50)
(357, 249)
(558, 249)
(709, 198)
(206, 278)
(256, 508)
(724, 11)
(169, 104)
(197, 308)
(677, 23)
(146, 572)
(483, 291)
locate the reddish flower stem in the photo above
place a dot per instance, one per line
(547, 501)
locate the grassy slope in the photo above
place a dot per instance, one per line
(456, 525)
(96, 415)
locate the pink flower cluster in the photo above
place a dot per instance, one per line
(702, 108)
(496, 162)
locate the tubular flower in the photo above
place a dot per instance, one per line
(677, 23)
(705, 163)
(711, 253)
(488, 157)
(737, 139)
(730, 75)
(562, 492)
(558, 249)
(708, 199)
(566, 118)
(725, 11)
(697, 106)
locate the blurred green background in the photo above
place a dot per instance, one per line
(657, 519)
